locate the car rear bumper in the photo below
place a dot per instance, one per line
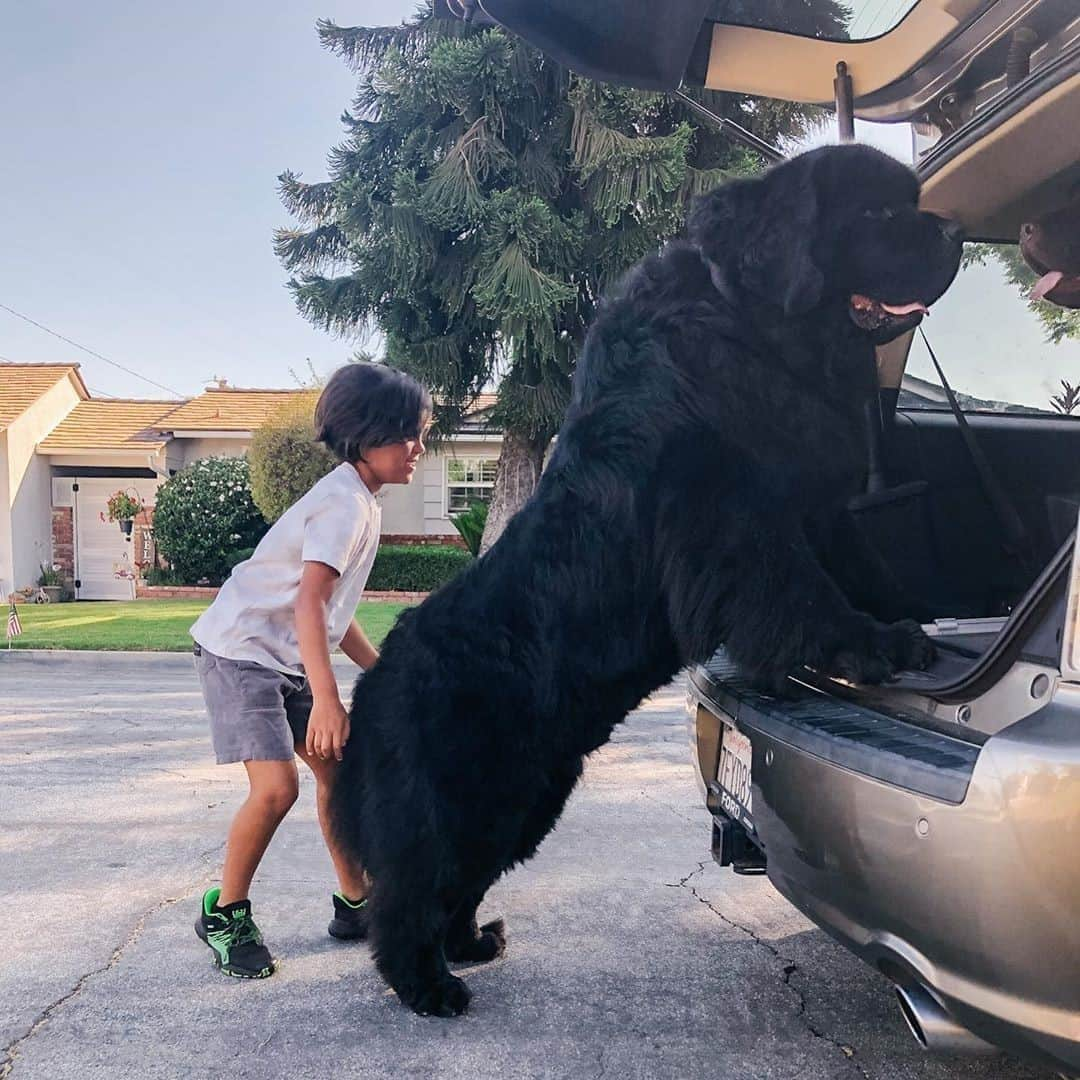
(971, 892)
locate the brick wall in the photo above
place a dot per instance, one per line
(63, 542)
(422, 541)
(173, 592)
(198, 592)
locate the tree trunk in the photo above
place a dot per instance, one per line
(520, 463)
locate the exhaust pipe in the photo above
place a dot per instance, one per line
(934, 1029)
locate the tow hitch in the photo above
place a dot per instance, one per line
(731, 844)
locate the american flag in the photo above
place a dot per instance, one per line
(14, 627)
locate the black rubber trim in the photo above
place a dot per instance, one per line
(1030, 610)
(697, 67)
(865, 741)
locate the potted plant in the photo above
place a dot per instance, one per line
(51, 582)
(124, 508)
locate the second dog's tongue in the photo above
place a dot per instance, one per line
(1047, 283)
(905, 309)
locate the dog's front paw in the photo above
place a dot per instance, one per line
(448, 997)
(908, 648)
(883, 651)
(488, 944)
(864, 666)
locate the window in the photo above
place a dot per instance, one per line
(1000, 351)
(468, 479)
(856, 20)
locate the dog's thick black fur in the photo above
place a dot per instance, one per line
(694, 498)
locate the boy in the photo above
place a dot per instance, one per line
(262, 648)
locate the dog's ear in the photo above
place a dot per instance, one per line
(718, 220)
(805, 281)
(779, 259)
(763, 231)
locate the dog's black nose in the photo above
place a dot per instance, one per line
(953, 230)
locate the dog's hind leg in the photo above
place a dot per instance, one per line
(546, 810)
(468, 943)
(465, 941)
(408, 928)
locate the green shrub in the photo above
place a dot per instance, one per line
(470, 525)
(160, 575)
(416, 568)
(238, 556)
(205, 517)
(285, 459)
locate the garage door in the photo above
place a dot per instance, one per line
(104, 559)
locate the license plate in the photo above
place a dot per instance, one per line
(733, 776)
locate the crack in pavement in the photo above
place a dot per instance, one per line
(668, 806)
(602, 1063)
(681, 883)
(791, 968)
(10, 1053)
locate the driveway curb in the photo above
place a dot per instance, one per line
(96, 659)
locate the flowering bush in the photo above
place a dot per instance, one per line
(123, 507)
(204, 516)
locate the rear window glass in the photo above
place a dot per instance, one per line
(1000, 351)
(855, 20)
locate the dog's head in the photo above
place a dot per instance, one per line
(835, 226)
(1051, 247)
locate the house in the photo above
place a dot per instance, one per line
(64, 452)
(102, 446)
(221, 420)
(34, 398)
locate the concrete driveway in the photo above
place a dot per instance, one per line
(631, 954)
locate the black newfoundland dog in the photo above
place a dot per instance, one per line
(694, 497)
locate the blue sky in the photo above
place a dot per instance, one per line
(142, 144)
(141, 148)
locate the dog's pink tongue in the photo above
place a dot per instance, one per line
(1047, 283)
(905, 309)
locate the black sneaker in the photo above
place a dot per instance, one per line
(350, 921)
(233, 937)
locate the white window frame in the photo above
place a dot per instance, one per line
(490, 485)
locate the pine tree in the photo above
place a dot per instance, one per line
(482, 201)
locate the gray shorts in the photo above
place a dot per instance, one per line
(256, 713)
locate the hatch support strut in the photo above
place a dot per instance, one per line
(845, 103)
(730, 128)
(845, 127)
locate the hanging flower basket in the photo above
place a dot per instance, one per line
(124, 508)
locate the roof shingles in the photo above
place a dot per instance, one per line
(235, 409)
(110, 424)
(22, 384)
(228, 409)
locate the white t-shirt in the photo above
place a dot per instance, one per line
(253, 617)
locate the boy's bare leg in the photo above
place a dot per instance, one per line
(274, 787)
(350, 874)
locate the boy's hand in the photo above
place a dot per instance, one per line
(328, 727)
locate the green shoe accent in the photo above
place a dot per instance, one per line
(233, 937)
(356, 905)
(350, 921)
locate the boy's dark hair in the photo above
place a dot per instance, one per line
(369, 405)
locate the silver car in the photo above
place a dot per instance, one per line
(931, 825)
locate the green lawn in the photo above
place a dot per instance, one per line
(142, 624)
